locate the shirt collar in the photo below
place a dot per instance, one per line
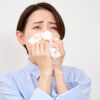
(32, 69)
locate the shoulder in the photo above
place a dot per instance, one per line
(11, 78)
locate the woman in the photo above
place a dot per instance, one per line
(43, 78)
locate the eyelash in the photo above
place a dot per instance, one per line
(54, 28)
(36, 27)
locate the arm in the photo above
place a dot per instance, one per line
(9, 91)
(60, 82)
(43, 90)
(79, 89)
(41, 56)
(45, 82)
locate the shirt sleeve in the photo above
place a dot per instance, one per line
(8, 91)
(39, 94)
(79, 89)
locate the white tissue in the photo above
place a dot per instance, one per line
(46, 36)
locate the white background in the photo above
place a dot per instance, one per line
(82, 20)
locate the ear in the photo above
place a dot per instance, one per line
(20, 37)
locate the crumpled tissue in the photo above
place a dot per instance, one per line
(46, 35)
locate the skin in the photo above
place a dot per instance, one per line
(39, 53)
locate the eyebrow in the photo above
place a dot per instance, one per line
(52, 22)
(39, 22)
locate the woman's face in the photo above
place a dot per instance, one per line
(39, 21)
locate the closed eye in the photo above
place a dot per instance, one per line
(55, 28)
(36, 27)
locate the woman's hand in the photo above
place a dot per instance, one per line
(41, 56)
(58, 73)
(58, 44)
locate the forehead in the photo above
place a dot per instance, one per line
(41, 14)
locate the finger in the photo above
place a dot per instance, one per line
(42, 47)
(60, 43)
(37, 48)
(55, 45)
(47, 48)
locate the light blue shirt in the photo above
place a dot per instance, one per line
(22, 85)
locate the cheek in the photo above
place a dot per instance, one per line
(56, 34)
(28, 35)
(29, 32)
